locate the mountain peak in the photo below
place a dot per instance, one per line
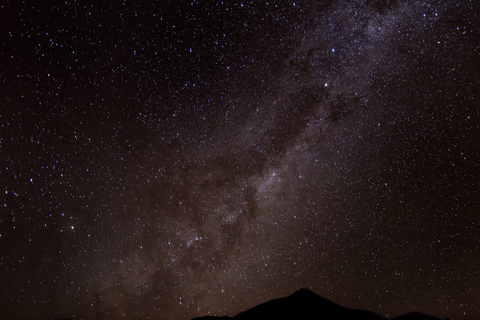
(306, 296)
(302, 304)
(304, 293)
(415, 316)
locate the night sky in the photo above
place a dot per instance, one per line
(173, 159)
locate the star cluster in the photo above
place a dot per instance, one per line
(184, 158)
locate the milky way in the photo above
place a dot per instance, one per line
(179, 159)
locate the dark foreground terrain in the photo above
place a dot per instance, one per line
(305, 304)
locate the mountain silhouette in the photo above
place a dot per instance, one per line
(415, 316)
(307, 305)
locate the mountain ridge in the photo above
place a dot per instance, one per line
(307, 305)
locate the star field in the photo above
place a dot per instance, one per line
(185, 158)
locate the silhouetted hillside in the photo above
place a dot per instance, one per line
(303, 304)
(307, 305)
